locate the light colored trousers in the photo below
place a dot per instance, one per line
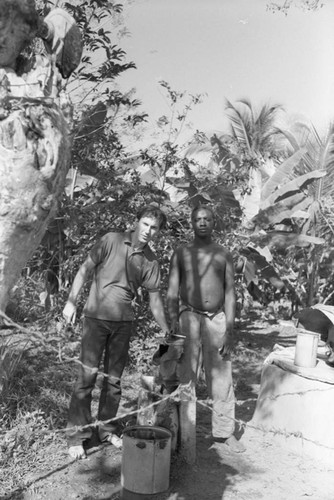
(204, 335)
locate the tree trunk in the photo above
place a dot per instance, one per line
(35, 147)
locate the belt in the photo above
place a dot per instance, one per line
(210, 315)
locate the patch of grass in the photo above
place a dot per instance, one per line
(33, 416)
(11, 351)
(34, 410)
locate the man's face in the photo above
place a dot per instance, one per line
(147, 228)
(203, 222)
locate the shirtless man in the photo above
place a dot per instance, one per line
(201, 303)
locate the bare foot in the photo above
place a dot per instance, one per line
(234, 444)
(77, 452)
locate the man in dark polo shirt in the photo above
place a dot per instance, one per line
(120, 264)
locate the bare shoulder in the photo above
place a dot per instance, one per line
(222, 250)
(179, 253)
(181, 249)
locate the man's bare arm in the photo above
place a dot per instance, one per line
(157, 308)
(173, 292)
(80, 279)
(230, 299)
(229, 306)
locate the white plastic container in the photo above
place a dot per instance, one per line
(306, 349)
(145, 461)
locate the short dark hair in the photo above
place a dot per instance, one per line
(153, 211)
(202, 207)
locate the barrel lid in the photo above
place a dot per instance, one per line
(307, 332)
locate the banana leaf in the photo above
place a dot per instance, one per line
(282, 210)
(284, 239)
(250, 272)
(260, 268)
(292, 187)
(284, 171)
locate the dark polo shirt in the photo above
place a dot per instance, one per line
(119, 272)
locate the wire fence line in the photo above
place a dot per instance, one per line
(174, 397)
(271, 430)
(66, 359)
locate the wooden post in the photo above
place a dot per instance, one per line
(147, 414)
(168, 417)
(188, 423)
(164, 414)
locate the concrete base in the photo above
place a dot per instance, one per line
(130, 495)
(296, 411)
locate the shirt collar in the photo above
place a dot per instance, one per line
(127, 237)
(128, 241)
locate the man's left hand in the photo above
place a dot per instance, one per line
(227, 346)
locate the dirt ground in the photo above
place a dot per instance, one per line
(265, 471)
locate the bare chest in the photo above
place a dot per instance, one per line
(203, 263)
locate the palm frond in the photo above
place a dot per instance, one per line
(266, 118)
(239, 127)
(291, 138)
(248, 104)
(327, 151)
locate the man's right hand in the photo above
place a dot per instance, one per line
(70, 312)
(174, 327)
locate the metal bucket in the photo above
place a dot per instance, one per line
(306, 349)
(145, 461)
